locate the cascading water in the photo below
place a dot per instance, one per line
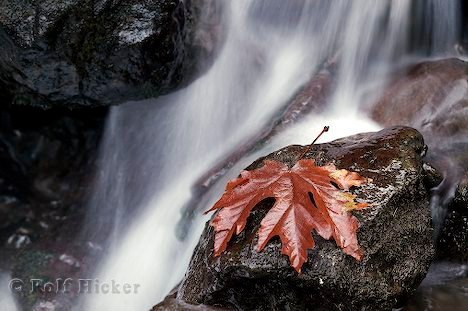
(445, 22)
(154, 151)
(6, 299)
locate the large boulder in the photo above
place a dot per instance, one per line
(395, 233)
(88, 53)
(432, 97)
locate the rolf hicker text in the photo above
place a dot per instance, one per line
(71, 285)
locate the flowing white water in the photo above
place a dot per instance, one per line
(7, 302)
(154, 151)
(445, 22)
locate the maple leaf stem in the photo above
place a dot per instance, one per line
(325, 129)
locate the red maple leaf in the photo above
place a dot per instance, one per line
(307, 198)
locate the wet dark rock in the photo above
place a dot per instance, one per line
(442, 297)
(51, 275)
(47, 162)
(453, 241)
(92, 53)
(171, 303)
(433, 98)
(395, 234)
(443, 289)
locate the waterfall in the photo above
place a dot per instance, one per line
(153, 151)
(6, 298)
(445, 20)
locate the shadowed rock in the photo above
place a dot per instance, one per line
(47, 162)
(93, 53)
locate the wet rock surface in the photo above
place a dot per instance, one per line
(453, 240)
(433, 97)
(171, 303)
(425, 85)
(93, 53)
(47, 161)
(443, 289)
(51, 276)
(47, 164)
(395, 234)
